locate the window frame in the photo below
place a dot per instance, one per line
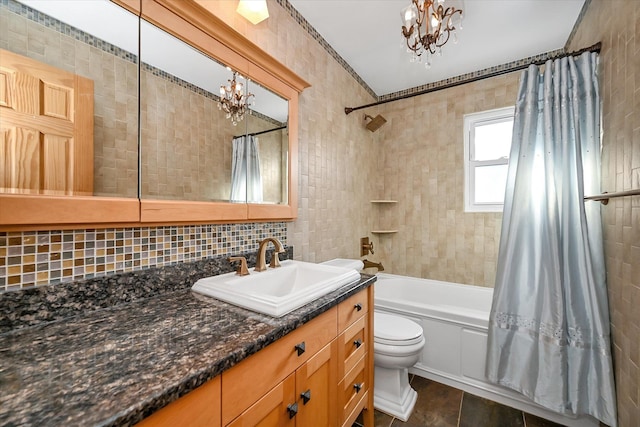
(471, 121)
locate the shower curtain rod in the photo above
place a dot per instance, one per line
(261, 132)
(595, 48)
(604, 197)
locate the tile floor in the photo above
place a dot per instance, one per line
(439, 405)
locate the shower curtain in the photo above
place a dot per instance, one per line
(549, 323)
(246, 181)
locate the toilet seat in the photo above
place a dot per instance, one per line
(396, 330)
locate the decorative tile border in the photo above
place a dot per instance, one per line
(470, 77)
(583, 11)
(36, 258)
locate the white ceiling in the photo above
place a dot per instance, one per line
(367, 34)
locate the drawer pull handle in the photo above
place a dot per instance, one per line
(358, 387)
(357, 343)
(300, 348)
(306, 396)
(292, 409)
(358, 307)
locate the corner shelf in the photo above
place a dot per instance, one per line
(381, 202)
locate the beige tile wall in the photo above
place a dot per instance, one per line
(337, 166)
(422, 166)
(616, 23)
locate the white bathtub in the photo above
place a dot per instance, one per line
(454, 319)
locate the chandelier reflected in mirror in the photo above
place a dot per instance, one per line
(233, 101)
(428, 25)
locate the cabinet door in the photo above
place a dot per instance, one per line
(316, 382)
(276, 408)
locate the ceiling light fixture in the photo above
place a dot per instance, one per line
(254, 10)
(233, 101)
(428, 24)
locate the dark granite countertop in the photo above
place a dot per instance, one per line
(116, 365)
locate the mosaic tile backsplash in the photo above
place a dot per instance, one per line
(35, 258)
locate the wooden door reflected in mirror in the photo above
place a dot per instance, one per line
(74, 72)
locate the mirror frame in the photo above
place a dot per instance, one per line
(195, 25)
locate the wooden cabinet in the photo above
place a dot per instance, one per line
(304, 398)
(199, 408)
(355, 355)
(246, 382)
(320, 374)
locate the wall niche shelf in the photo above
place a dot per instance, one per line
(383, 229)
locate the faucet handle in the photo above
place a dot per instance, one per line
(275, 261)
(242, 269)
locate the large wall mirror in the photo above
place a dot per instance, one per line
(190, 148)
(155, 147)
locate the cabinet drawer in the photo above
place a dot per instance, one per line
(352, 345)
(352, 388)
(352, 309)
(246, 382)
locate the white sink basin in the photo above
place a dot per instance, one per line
(277, 291)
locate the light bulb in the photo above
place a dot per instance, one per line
(408, 15)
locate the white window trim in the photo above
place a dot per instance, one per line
(470, 121)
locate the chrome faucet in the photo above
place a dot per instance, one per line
(261, 265)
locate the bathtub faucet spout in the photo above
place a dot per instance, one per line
(368, 264)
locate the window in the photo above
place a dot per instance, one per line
(487, 143)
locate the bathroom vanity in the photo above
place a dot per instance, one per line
(181, 358)
(320, 374)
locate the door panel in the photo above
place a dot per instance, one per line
(46, 123)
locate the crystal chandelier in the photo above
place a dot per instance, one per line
(428, 24)
(233, 101)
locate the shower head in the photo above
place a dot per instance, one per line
(375, 123)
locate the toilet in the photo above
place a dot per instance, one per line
(396, 347)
